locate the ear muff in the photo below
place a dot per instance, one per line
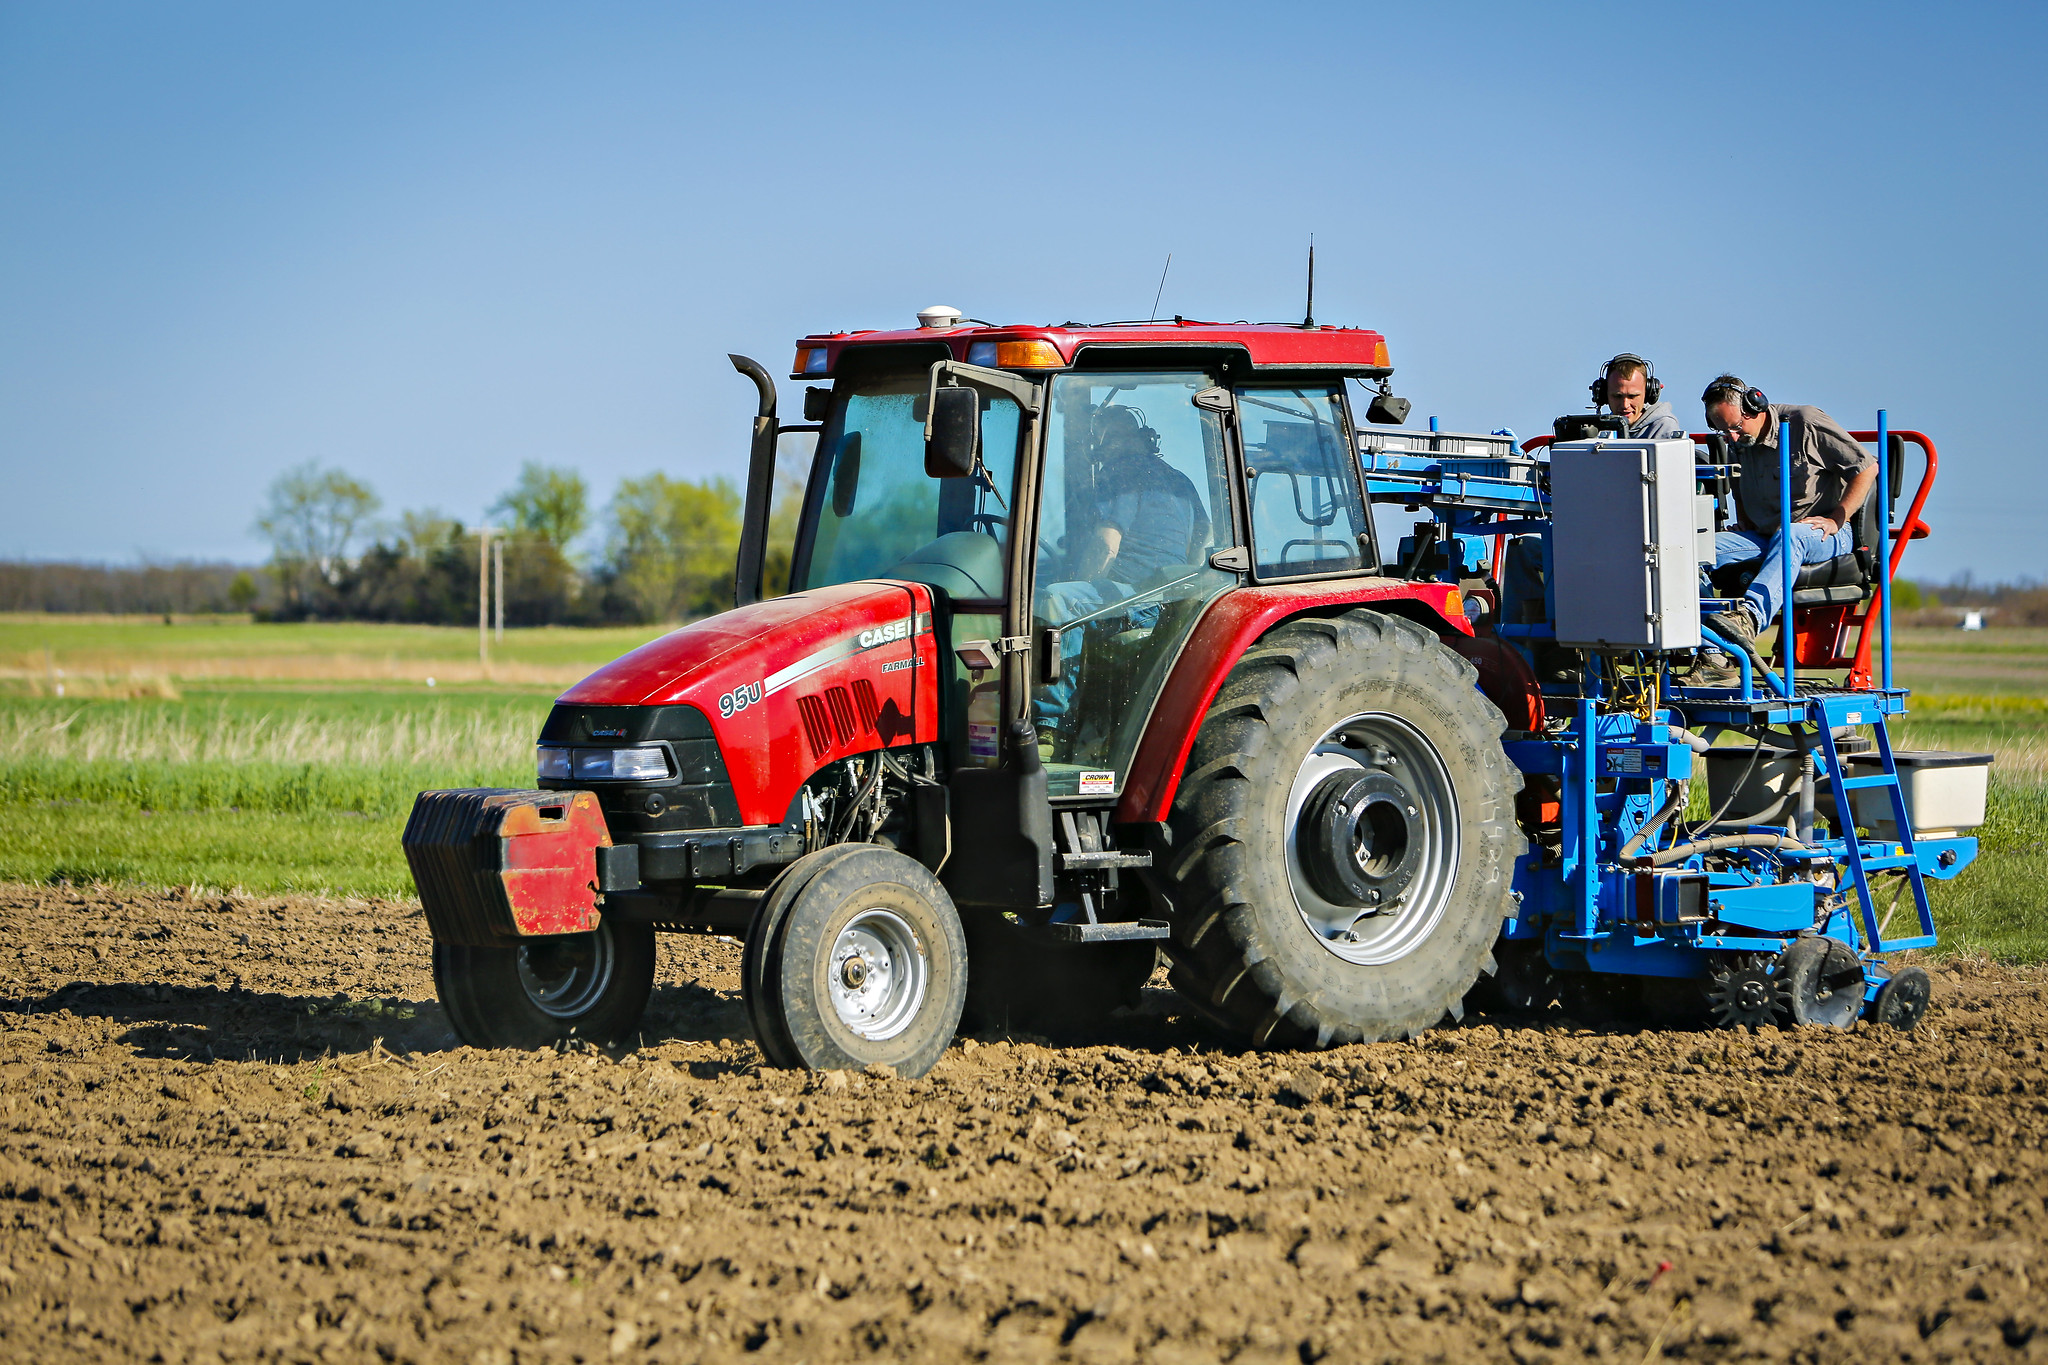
(1653, 387)
(1748, 395)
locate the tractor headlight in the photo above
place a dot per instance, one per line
(641, 764)
(552, 760)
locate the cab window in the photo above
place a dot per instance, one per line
(871, 506)
(1306, 512)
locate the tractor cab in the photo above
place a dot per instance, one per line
(1077, 498)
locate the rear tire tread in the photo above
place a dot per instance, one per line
(1218, 872)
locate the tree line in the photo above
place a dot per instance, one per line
(664, 552)
(128, 589)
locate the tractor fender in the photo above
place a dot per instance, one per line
(1505, 678)
(792, 684)
(1231, 625)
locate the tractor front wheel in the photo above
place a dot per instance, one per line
(1344, 837)
(591, 986)
(861, 962)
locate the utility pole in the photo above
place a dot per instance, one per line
(498, 584)
(483, 596)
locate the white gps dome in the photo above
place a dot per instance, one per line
(939, 317)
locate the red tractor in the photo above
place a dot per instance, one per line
(1088, 653)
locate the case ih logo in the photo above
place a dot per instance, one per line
(882, 635)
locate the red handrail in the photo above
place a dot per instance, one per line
(1912, 528)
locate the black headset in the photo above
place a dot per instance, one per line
(1142, 431)
(1751, 398)
(1652, 385)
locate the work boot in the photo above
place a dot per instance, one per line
(1713, 669)
(1738, 626)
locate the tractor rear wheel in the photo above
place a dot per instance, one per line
(1343, 840)
(865, 964)
(591, 986)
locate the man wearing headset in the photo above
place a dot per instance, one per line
(1629, 388)
(1831, 476)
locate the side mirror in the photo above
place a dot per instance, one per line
(953, 435)
(1387, 410)
(817, 404)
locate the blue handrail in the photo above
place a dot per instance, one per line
(1786, 560)
(1741, 656)
(1884, 533)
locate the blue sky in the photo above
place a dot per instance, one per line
(426, 242)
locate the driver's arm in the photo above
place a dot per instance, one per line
(1852, 498)
(1097, 551)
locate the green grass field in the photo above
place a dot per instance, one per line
(88, 652)
(260, 757)
(284, 758)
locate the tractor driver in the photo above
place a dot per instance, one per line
(1147, 521)
(1150, 515)
(1831, 476)
(1629, 388)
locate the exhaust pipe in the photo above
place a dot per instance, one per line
(746, 578)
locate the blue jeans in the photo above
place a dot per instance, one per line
(1060, 604)
(1811, 547)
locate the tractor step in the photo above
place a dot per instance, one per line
(1105, 933)
(1106, 858)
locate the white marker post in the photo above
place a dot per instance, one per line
(483, 596)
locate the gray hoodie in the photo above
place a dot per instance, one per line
(1658, 423)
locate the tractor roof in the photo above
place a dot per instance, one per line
(1261, 345)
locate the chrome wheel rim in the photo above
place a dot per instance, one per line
(877, 975)
(1378, 743)
(565, 980)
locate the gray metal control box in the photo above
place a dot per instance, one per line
(1624, 547)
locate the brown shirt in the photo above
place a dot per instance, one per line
(1825, 458)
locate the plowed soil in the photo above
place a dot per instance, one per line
(241, 1130)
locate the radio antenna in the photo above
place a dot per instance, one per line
(1162, 288)
(1308, 319)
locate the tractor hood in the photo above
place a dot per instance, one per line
(792, 683)
(757, 641)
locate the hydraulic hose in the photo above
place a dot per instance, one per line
(1761, 817)
(1699, 744)
(1680, 794)
(1680, 852)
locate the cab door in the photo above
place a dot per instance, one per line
(1134, 498)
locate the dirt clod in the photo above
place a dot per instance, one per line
(262, 1142)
